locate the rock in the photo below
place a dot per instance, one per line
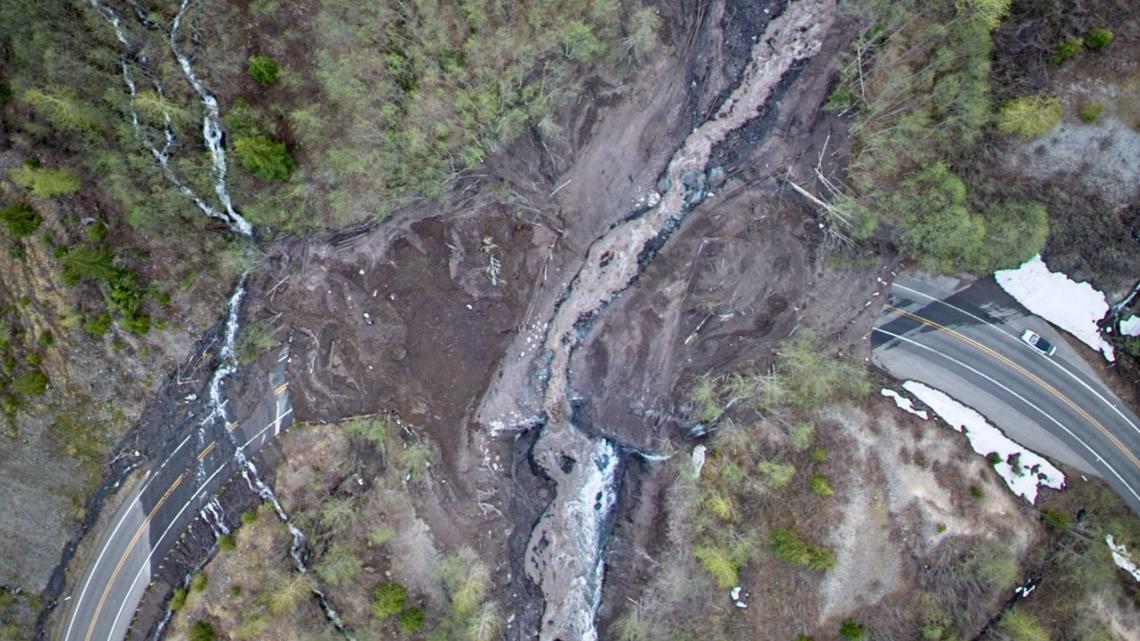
(693, 180)
(664, 185)
(716, 177)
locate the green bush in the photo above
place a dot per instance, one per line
(201, 631)
(30, 383)
(1029, 116)
(249, 516)
(977, 492)
(388, 599)
(263, 69)
(1056, 518)
(851, 630)
(801, 435)
(254, 340)
(818, 454)
(1091, 113)
(788, 545)
(1067, 49)
(1097, 39)
(20, 219)
(264, 158)
(774, 474)
(411, 620)
(177, 599)
(46, 183)
(226, 543)
(198, 582)
(718, 562)
(97, 324)
(1020, 625)
(339, 565)
(820, 485)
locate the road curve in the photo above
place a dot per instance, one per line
(965, 342)
(152, 517)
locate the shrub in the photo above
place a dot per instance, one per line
(97, 324)
(1097, 39)
(643, 26)
(1029, 116)
(263, 69)
(977, 492)
(411, 620)
(198, 582)
(46, 183)
(59, 106)
(20, 219)
(254, 340)
(788, 545)
(774, 474)
(1056, 519)
(1091, 113)
(226, 543)
(339, 565)
(178, 599)
(286, 592)
(201, 631)
(820, 485)
(264, 158)
(851, 630)
(466, 579)
(1023, 626)
(388, 599)
(801, 435)
(993, 458)
(718, 562)
(819, 455)
(30, 383)
(248, 517)
(1067, 49)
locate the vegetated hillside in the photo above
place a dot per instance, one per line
(110, 271)
(943, 96)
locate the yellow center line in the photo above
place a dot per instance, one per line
(123, 558)
(280, 388)
(1024, 372)
(209, 448)
(232, 426)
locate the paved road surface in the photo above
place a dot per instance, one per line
(167, 500)
(965, 343)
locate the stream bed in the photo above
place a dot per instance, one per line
(565, 553)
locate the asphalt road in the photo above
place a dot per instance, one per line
(966, 343)
(169, 498)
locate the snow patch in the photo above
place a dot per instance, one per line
(1032, 470)
(904, 403)
(1130, 327)
(698, 460)
(1072, 306)
(1122, 558)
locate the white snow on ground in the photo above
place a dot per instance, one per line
(1033, 470)
(1122, 558)
(904, 403)
(1130, 327)
(1072, 306)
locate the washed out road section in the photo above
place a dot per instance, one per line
(103, 604)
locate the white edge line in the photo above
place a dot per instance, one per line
(1022, 399)
(99, 559)
(1017, 340)
(165, 532)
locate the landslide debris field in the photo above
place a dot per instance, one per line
(600, 376)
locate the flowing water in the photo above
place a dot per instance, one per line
(210, 128)
(565, 552)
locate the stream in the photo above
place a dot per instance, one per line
(211, 129)
(565, 552)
